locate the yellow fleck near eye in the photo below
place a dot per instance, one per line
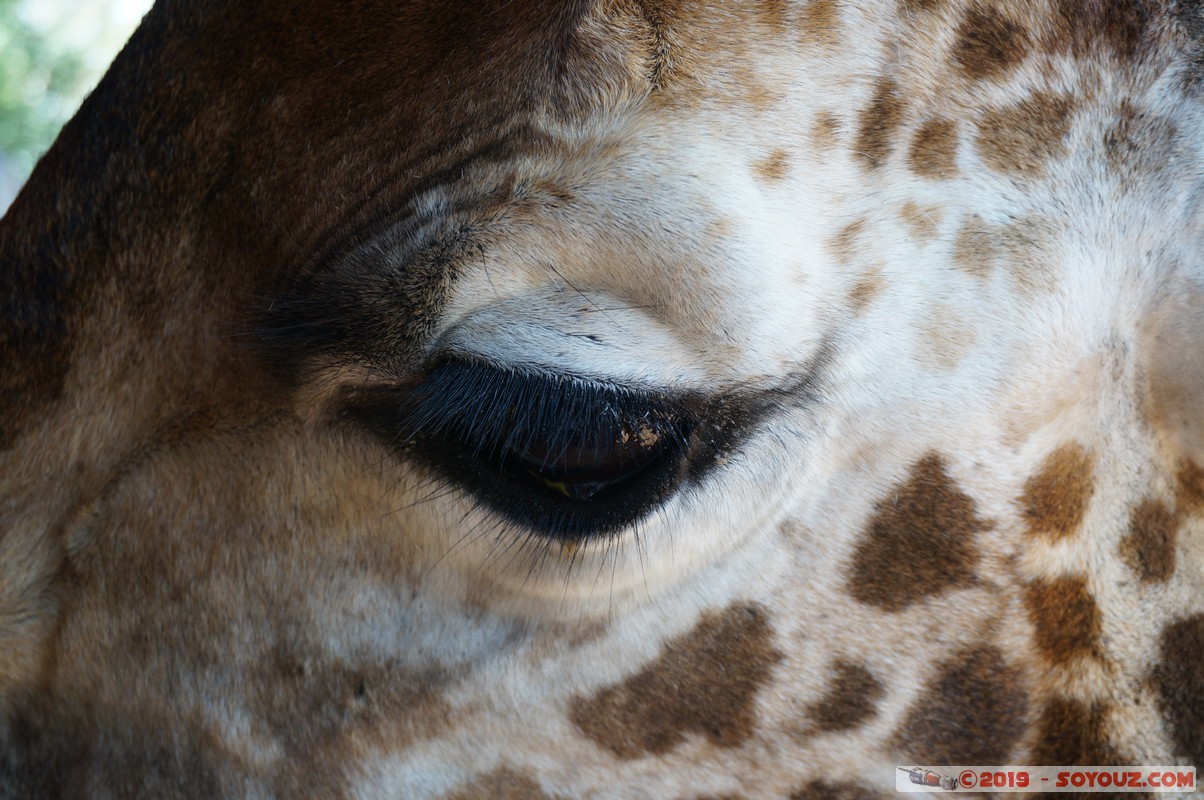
(557, 485)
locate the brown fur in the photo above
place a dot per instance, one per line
(54, 752)
(138, 198)
(34, 341)
(704, 682)
(821, 22)
(1139, 141)
(878, 124)
(974, 248)
(774, 166)
(1021, 140)
(776, 13)
(189, 593)
(825, 133)
(1024, 245)
(1149, 547)
(922, 223)
(1189, 495)
(919, 543)
(824, 790)
(973, 712)
(1086, 27)
(934, 149)
(920, 5)
(851, 699)
(1174, 369)
(947, 338)
(1066, 618)
(989, 44)
(844, 244)
(502, 784)
(1070, 733)
(1179, 680)
(214, 582)
(866, 288)
(1056, 498)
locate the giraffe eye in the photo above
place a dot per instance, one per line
(567, 457)
(585, 462)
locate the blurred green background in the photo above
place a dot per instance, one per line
(52, 52)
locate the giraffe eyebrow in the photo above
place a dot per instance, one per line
(377, 305)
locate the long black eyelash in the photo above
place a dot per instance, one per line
(503, 435)
(477, 425)
(506, 411)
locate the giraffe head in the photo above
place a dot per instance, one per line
(666, 399)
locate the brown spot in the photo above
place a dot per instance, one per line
(1066, 618)
(1139, 141)
(1025, 246)
(1179, 679)
(822, 790)
(720, 228)
(502, 784)
(934, 149)
(1056, 498)
(774, 166)
(1072, 733)
(774, 12)
(947, 338)
(704, 682)
(821, 22)
(1149, 548)
(865, 290)
(844, 243)
(879, 122)
(915, 6)
(1021, 139)
(921, 222)
(919, 542)
(1089, 27)
(974, 712)
(989, 44)
(1189, 495)
(825, 132)
(974, 247)
(850, 700)
(1174, 374)
(759, 96)
(340, 701)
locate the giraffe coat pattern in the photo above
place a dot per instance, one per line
(607, 398)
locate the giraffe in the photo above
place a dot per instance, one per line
(607, 398)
